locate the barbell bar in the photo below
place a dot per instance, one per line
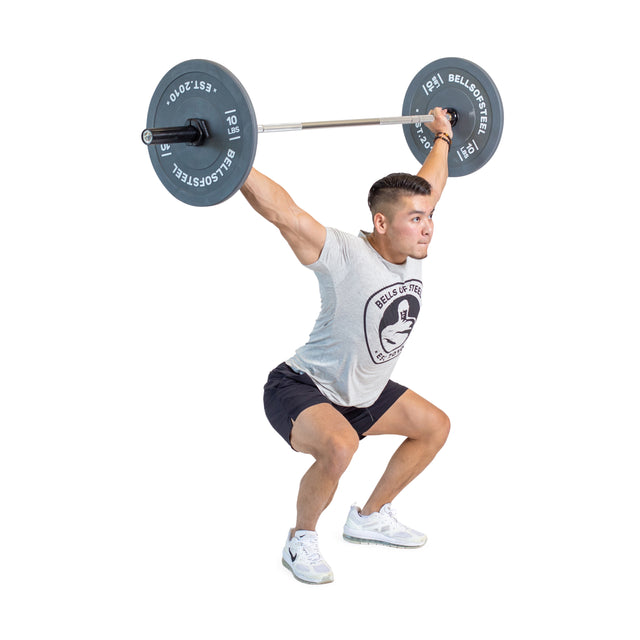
(192, 133)
(202, 131)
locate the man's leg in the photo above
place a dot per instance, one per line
(324, 433)
(321, 431)
(426, 429)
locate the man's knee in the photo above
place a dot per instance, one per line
(442, 427)
(434, 425)
(337, 449)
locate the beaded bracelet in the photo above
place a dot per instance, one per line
(443, 136)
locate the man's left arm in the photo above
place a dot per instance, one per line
(435, 169)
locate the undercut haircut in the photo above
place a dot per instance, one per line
(388, 190)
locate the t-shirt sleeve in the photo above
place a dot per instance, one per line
(336, 254)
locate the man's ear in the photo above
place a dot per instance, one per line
(380, 223)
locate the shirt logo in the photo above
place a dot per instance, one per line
(389, 317)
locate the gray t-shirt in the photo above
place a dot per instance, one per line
(368, 309)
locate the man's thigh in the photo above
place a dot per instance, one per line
(411, 416)
(321, 427)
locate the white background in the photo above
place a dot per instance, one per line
(144, 495)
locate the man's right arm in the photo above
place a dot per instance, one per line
(435, 169)
(305, 235)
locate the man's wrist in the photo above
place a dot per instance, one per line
(445, 137)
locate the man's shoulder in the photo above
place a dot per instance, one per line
(347, 239)
(342, 250)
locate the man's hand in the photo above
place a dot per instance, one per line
(441, 124)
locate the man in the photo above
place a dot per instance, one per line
(336, 389)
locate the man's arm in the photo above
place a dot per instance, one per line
(304, 234)
(435, 169)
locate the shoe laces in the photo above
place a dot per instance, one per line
(309, 548)
(388, 513)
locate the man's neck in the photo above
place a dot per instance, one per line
(380, 246)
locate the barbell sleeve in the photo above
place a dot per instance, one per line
(170, 135)
(195, 132)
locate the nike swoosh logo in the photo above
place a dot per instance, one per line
(293, 558)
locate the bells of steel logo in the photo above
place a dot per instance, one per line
(389, 317)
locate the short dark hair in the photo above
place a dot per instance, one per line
(387, 190)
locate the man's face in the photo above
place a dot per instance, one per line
(409, 230)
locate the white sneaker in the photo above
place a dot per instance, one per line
(380, 528)
(302, 557)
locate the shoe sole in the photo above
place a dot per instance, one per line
(299, 579)
(382, 543)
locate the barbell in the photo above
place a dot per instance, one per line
(202, 133)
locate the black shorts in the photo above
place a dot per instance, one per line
(287, 394)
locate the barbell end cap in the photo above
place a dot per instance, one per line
(147, 137)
